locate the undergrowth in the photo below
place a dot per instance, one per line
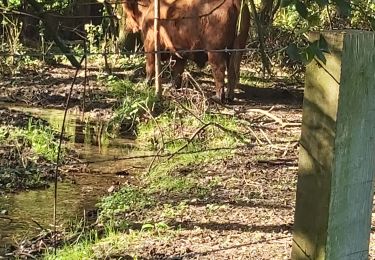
(134, 100)
(147, 210)
(26, 154)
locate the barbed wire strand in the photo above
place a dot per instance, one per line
(180, 52)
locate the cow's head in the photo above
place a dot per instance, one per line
(135, 10)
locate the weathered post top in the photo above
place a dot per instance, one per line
(337, 151)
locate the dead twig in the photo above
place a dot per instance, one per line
(286, 149)
(188, 110)
(222, 128)
(7, 218)
(266, 113)
(265, 136)
(149, 168)
(147, 110)
(39, 225)
(276, 162)
(255, 136)
(190, 139)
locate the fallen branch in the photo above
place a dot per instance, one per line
(39, 225)
(265, 136)
(154, 159)
(287, 162)
(190, 139)
(222, 128)
(266, 113)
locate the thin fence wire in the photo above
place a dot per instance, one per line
(179, 52)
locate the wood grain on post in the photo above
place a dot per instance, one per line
(337, 151)
(158, 88)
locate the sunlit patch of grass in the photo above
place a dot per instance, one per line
(152, 202)
(26, 156)
(134, 100)
(128, 199)
(169, 211)
(132, 62)
(112, 243)
(171, 132)
(80, 251)
(177, 175)
(40, 138)
(43, 141)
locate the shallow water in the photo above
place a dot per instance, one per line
(90, 141)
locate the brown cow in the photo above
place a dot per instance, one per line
(194, 25)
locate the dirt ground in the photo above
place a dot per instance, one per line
(249, 215)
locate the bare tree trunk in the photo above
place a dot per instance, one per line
(267, 11)
(265, 60)
(65, 49)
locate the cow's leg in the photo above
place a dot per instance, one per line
(150, 68)
(233, 67)
(218, 64)
(177, 70)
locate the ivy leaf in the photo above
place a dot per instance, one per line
(161, 225)
(293, 52)
(314, 50)
(147, 226)
(323, 45)
(308, 55)
(302, 9)
(317, 51)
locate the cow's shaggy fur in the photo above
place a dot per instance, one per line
(194, 25)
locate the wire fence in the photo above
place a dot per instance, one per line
(122, 52)
(83, 57)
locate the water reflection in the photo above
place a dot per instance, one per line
(91, 141)
(37, 205)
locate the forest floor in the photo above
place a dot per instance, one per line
(240, 206)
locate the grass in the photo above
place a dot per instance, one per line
(134, 100)
(172, 132)
(24, 152)
(112, 243)
(144, 211)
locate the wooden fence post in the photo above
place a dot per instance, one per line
(158, 88)
(337, 151)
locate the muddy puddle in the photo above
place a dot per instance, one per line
(77, 195)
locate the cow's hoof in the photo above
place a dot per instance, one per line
(176, 85)
(229, 99)
(219, 98)
(149, 82)
(216, 99)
